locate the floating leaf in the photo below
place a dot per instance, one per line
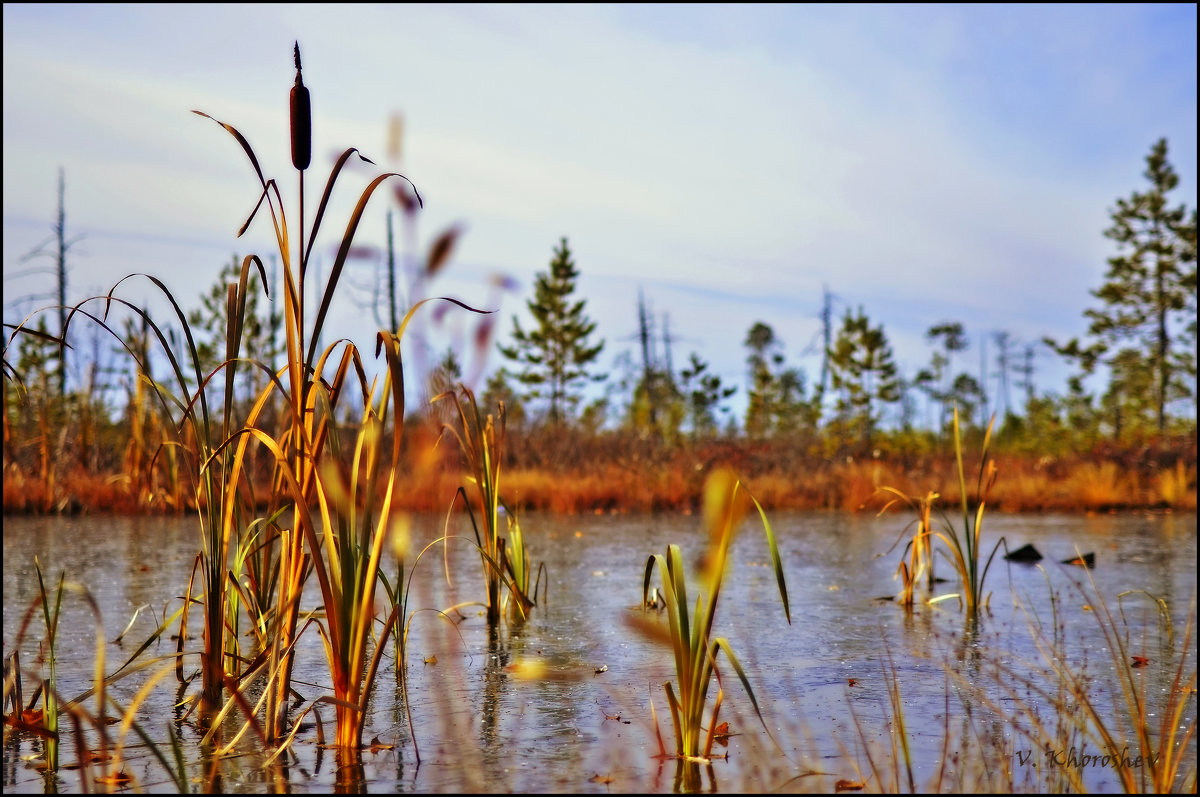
(849, 785)
(605, 779)
(1140, 661)
(431, 660)
(601, 668)
(377, 745)
(116, 778)
(852, 682)
(1088, 560)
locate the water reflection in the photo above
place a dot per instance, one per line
(351, 775)
(480, 727)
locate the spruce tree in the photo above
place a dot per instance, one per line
(1149, 295)
(554, 356)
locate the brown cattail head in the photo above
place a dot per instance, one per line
(301, 121)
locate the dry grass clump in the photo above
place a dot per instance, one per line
(1176, 486)
(1100, 485)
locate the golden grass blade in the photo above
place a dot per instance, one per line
(267, 186)
(339, 261)
(333, 175)
(127, 723)
(723, 644)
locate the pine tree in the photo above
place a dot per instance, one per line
(1149, 296)
(938, 380)
(554, 355)
(777, 403)
(761, 402)
(703, 393)
(863, 371)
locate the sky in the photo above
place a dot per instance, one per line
(729, 162)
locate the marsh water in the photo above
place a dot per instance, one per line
(582, 720)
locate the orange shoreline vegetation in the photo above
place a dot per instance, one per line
(1024, 484)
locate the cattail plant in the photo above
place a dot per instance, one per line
(689, 635)
(309, 403)
(961, 547)
(516, 562)
(301, 451)
(481, 439)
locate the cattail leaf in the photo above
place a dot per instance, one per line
(776, 562)
(281, 224)
(333, 175)
(339, 262)
(723, 644)
(347, 240)
(405, 199)
(46, 336)
(265, 195)
(241, 140)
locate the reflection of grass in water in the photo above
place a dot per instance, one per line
(973, 750)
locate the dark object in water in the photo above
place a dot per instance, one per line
(1026, 553)
(1088, 560)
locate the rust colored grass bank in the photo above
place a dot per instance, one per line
(1026, 485)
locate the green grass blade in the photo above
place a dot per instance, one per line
(775, 560)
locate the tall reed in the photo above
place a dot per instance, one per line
(50, 615)
(964, 546)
